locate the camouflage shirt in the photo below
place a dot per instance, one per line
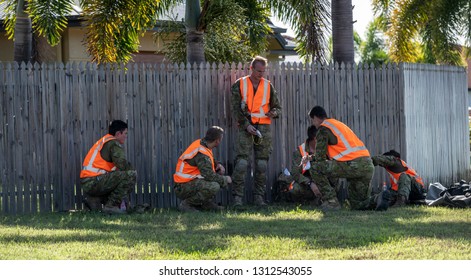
(389, 162)
(297, 171)
(113, 152)
(242, 117)
(324, 137)
(203, 162)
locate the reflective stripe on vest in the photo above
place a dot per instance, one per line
(93, 164)
(185, 172)
(349, 146)
(258, 103)
(394, 177)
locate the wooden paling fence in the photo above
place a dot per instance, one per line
(51, 114)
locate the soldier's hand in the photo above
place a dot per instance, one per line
(229, 179)
(220, 169)
(252, 130)
(305, 159)
(271, 114)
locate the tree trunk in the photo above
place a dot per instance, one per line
(194, 37)
(342, 31)
(23, 44)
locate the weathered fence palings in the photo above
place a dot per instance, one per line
(52, 113)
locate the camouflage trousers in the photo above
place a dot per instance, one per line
(114, 186)
(358, 172)
(300, 193)
(197, 192)
(262, 149)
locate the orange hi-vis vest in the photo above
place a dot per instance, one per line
(349, 146)
(258, 103)
(186, 172)
(394, 177)
(93, 164)
(306, 166)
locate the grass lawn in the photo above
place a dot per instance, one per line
(282, 232)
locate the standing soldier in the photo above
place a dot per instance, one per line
(254, 104)
(340, 154)
(198, 177)
(105, 172)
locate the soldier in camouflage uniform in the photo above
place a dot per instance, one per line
(406, 184)
(300, 187)
(254, 103)
(340, 154)
(105, 172)
(198, 176)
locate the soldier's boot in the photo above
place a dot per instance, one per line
(113, 210)
(259, 201)
(186, 207)
(382, 200)
(93, 203)
(237, 201)
(332, 204)
(400, 202)
(212, 206)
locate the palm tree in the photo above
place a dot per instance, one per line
(113, 28)
(48, 18)
(309, 20)
(342, 31)
(436, 25)
(373, 49)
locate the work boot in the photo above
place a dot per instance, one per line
(382, 200)
(237, 201)
(331, 205)
(400, 201)
(212, 206)
(186, 207)
(113, 210)
(259, 201)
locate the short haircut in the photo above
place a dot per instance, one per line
(213, 133)
(311, 133)
(259, 59)
(392, 153)
(117, 125)
(318, 111)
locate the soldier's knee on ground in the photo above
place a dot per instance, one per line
(261, 165)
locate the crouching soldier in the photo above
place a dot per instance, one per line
(106, 174)
(406, 184)
(198, 177)
(298, 185)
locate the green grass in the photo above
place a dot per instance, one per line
(278, 232)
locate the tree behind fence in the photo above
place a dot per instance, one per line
(53, 113)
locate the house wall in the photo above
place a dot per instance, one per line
(6, 48)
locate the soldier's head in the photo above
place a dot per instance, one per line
(317, 115)
(311, 135)
(119, 130)
(392, 153)
(258, 66)
(214, 136)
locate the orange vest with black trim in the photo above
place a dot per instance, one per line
(258, 103)
(93, 164)
(186, 172)
(349, 146)
(306, 166)
(394, 177)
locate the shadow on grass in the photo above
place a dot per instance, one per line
(201, 233)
